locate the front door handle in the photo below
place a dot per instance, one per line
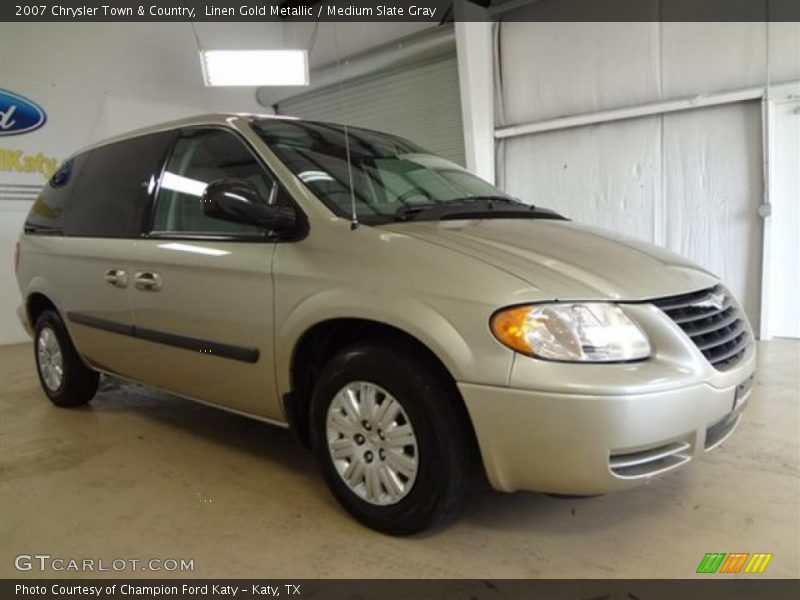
(148, 281)
(116, 277)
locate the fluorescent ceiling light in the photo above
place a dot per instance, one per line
(309, 176)
(254, 67)
(184, 185)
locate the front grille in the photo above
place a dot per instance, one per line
(712, 321)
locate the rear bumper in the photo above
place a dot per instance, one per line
(579, 443)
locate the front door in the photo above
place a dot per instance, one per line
(202, 288)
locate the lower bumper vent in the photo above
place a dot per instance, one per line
(653, 461)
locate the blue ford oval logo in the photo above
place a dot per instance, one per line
(18, 114)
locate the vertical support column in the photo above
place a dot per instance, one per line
(765, 210)
(476, 81)
(781, 211)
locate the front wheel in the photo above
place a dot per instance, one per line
(389, 440)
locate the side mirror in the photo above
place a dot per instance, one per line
(238, 201)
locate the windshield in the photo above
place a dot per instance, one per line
(390, 175)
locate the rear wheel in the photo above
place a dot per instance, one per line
(64, 377)
(388, 438)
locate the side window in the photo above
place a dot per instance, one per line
(111, 193)
(199, 158)
(47, 215)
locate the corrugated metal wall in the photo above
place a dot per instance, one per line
(420, 102)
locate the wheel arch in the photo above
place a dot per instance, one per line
(322, 340)
(35, 304)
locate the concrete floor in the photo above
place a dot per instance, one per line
(138, 475)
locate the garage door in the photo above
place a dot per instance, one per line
(420, 102)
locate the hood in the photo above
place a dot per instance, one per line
(564, 260)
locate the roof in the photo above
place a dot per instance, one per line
(225, 119)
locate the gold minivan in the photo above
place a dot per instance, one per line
(408, 320)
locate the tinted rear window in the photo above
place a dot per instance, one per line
(110, 198)
(102, 193)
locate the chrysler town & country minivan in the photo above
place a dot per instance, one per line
(409, 321)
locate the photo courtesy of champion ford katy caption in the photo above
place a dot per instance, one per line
(412, 323)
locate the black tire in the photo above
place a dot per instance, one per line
(442, 436)
(78, 383)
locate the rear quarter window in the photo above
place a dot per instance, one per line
(49, 209)
(110, 197)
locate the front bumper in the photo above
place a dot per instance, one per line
(591, 429)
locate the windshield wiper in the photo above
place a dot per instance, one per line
(474, 207)
(489, 201)
(406, 213)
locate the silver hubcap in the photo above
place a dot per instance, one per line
(51, 361)
(372, 443)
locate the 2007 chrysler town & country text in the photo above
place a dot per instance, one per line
(218, 258)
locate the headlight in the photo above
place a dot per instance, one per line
(579, 332)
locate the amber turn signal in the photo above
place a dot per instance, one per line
(512, 325)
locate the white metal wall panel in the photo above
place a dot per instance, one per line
(420, 102)
(784, 51)
(606, 175)
(713, 186)
(690, 182)
(784, 265)
(698, 57)
(557, 69)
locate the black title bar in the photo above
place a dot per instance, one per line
(435, 11)
(712, 588)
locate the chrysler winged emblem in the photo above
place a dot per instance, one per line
(713, 300)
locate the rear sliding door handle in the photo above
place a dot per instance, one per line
(148, 281)
(117, 278)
